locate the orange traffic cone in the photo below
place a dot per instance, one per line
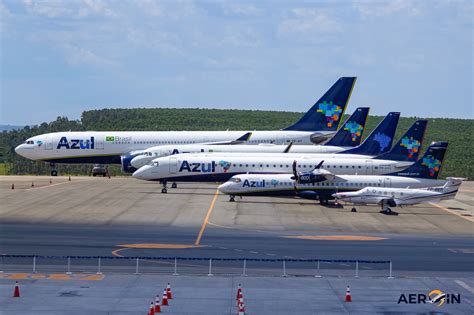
(69, 178)
(16, 292)
(165, 298)
(239, 290)
(152, 309)
(13, 186)
(168, 292)
(348, 295)
(241, 309)
(50, 181)
(32, 184)
(157, 304)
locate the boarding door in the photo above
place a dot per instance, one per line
(99, 142)
(173, 165)
(387, 182)
(369, 167)
(49, 143)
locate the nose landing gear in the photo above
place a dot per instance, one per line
(54, 171)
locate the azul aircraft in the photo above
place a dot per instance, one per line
(393, 197)
(222, 166)
(324, 184)
(115, 147)
(349, 135)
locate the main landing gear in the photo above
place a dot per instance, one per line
(174, 185)
(386, 209)
(353, 209)
(231, 198)
(323, 201)
(54, 171)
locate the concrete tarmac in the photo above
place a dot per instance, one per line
(127, 217)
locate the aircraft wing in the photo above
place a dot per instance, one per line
(239, 140)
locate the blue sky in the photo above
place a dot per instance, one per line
(60, 57)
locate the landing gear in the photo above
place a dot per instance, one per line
(54, 171)
(164, 190)
(323, 201)
(386, 209)
(174, 185)
(231, 198)
(353, 209)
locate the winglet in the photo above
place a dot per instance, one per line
(288, 147)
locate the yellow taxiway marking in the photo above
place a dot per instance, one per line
(92, 278)
(17, 276)
(159, 246)
(452, 212)
(54, 276)
(59, 276)
(206, 219)
(337, 237)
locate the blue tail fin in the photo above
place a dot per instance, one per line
(408, 147)
(350, 134)
(380, 140)
(326, 114)
(430, 165)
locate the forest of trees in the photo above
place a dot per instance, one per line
(458, 132)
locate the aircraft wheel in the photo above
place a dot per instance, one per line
(164, 191)
(174, 185)
(54, 173)
(232, 199)
(353, 209)
(323, 201)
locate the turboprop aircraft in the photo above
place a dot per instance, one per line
(394, 197)
(204, 167)
(323, 184)
(115, 147)
(349, 135)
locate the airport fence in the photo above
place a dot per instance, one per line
(208, 266)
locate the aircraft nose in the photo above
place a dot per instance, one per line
(224, 188)
(19, 149)
(142, 173)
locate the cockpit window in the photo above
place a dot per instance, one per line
(236, 180)
(29, 142)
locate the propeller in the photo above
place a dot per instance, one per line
(295, 173)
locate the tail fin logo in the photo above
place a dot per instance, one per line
(331, 111)
(432, 163)
(383, 140)
(354, 128)
(225, 165)
(412, 145)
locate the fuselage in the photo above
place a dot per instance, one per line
(400, 196)
(285, 185)
(152, 153)
(222, 166)
(108, 146)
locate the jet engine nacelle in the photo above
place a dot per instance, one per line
(126, 160)
(308, 194)
(319, 138)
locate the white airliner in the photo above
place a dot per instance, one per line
(222, 166)
(325, 185)
(349, 135)
(112, 147)
(393, 197)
